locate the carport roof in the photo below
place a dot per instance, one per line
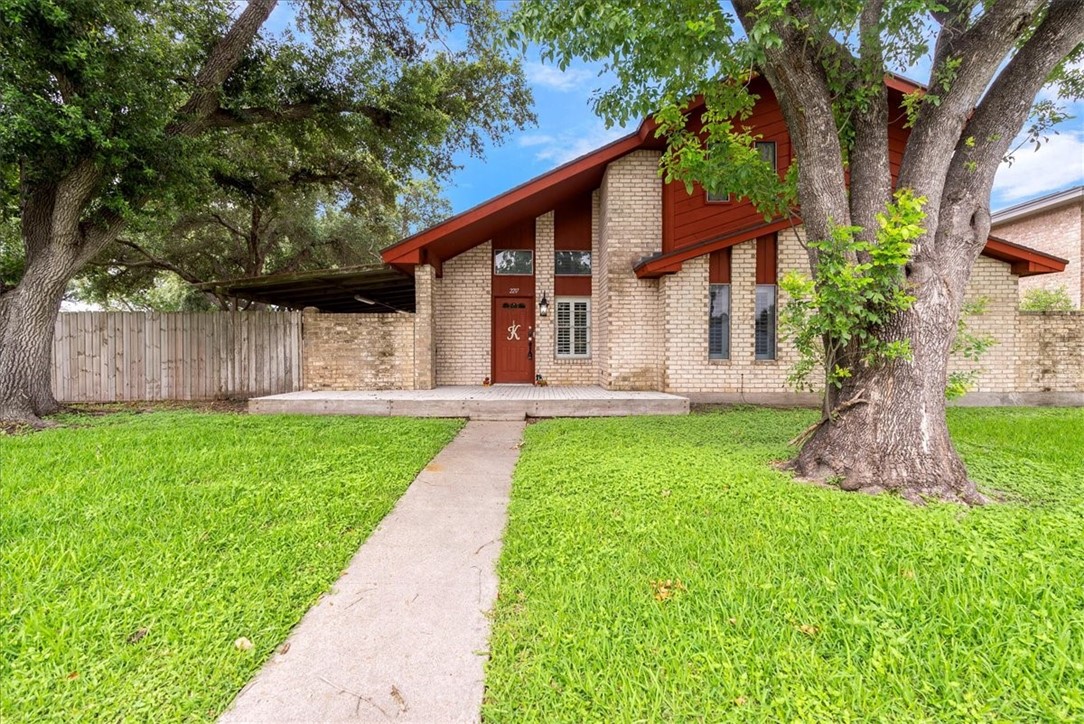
(329, 290)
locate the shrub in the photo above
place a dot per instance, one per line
(1046, 300)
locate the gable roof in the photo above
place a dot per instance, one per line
(1039, 204)
(543, 193)
(530, 199)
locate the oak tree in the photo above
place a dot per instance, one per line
(825, 61)
(108, 105)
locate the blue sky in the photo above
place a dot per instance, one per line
(568, 128)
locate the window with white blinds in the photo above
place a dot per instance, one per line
(719, 321)
(765, 321)
(573, 326)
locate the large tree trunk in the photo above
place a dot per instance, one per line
(60, 241)
(888, 430)
(28, 315)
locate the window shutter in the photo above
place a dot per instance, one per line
(580, 324)
(573, 327)
(564, 327)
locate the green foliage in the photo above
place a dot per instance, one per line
(135, 549)
(970, 346)
(838, 320)
(1046, 300)
(373, 94)
(797, 602)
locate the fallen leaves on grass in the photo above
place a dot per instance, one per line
(664, 590)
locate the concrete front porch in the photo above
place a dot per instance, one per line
(499, 402)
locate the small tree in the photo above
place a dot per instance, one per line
(1046, 300)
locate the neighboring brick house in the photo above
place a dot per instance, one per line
(598, 273)
(1054, 224)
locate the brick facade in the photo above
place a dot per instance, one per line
(688, 368)
(653, 334)
(357, 351)
(554, 370)
(1058, 231)
(1050, 352)
(463, 318)
(630, 228)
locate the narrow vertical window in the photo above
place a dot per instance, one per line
(573, 327)
(766, 149)
(719, 304)
(765, 321)
(764, 337)
(719, 321)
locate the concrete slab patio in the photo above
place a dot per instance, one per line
(497, 402)
(403, 634)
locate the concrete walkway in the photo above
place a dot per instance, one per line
(403, 635)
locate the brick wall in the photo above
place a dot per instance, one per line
(993, 282)
(357, 351)
(685, 303)
(685, 295)
(424, 328)
(1059, 232)
(1050, 352)
(630, 228)
(462, 318)
(559, 371)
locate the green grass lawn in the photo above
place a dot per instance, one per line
(660, 569)
(136, 549)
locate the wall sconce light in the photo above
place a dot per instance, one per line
(543, 306)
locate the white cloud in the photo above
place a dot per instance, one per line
(548, 76)
(573, 142)
(1056, 164)
(529, 140)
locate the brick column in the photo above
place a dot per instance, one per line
(424, 332)
(630, 228)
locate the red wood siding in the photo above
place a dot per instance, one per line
(766, 259)
(572, 225)
(719, 267)
(689, 217)
(572, 232)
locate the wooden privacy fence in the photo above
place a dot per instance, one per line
(114, 356)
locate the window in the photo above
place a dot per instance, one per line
(573, 327)
(765, 321)
(714, 198)
(513, 261)
(766, 149)
(572, 263)
(719, 321)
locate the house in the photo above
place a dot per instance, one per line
(1053, 223)
(598, 273)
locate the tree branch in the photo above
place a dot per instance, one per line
(244, 117)
(967, 64)
(220, 63)
(156, 262)
(1002, 112)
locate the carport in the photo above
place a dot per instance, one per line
(374, 288)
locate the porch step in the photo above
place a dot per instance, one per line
(475, 403)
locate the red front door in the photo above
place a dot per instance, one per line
(513, 339)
